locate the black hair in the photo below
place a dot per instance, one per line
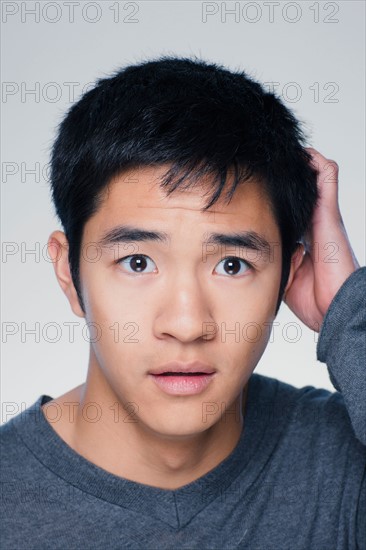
(200, 118)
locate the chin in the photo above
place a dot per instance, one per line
(177, 428)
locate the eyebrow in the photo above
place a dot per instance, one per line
(241, 239)
(128, 234)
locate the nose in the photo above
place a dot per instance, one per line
(185, 311)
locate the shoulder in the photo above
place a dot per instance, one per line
(317, 414)
(13, 448)
(9, 438)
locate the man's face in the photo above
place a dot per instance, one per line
(178, 299)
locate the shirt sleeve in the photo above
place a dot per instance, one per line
(342, 346)
(361, 515)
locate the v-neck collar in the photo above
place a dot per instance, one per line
(175, 507)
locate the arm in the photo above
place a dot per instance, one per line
(329, 294)
(342, 346)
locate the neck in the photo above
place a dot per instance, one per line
(131, 450)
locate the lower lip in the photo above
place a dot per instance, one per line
(183, 385)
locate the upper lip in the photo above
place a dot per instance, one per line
(177, 366)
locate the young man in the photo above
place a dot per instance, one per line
(190, 209)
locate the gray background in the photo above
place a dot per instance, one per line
(313, 50)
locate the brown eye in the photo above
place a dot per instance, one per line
(233, 266)
(136, 263)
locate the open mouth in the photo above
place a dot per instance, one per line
(183, 383)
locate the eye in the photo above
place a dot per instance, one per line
(234, 266)
(136, 263)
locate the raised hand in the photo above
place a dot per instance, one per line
(328, 258)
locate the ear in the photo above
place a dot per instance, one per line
(296, 261)
(58, 249)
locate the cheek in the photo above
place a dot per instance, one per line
(107, 299)
(112, 315)
(254, 300)
(122, 312)
(245, 318)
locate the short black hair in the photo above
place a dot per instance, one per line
(200, 118)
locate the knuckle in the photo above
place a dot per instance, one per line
(334, 165)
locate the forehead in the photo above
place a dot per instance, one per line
(137, 195)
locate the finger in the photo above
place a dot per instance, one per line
(327, 183)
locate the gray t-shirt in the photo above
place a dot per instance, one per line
(295, 480)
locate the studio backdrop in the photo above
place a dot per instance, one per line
(310, 53)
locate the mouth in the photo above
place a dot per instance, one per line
(177, 368)
(183, 379)
(184, 374)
